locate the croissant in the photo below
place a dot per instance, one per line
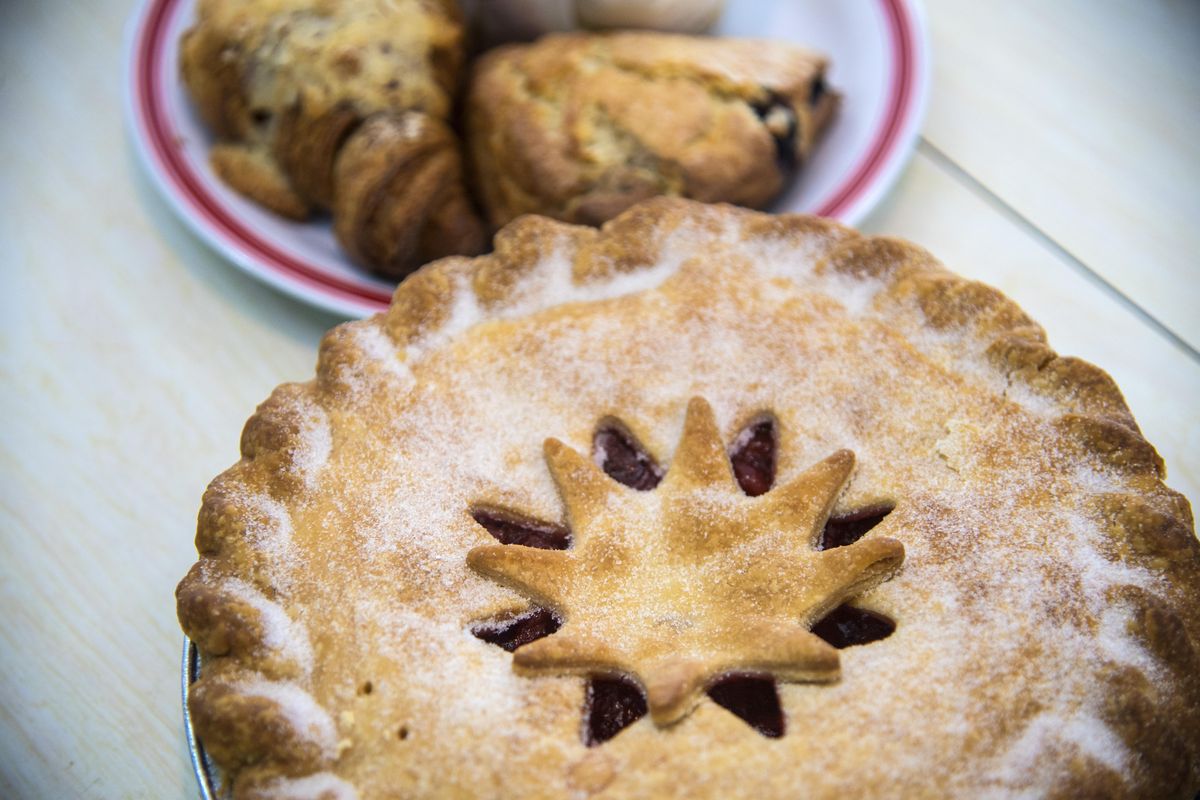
(341, 106)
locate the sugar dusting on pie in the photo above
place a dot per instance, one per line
(1045, 613)
(694, 583)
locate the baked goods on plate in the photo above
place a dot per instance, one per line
(344, 107)
(880, 68)
(496, 21)
(706, 503)
(580, 126)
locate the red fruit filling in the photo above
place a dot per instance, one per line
(848, 529)
(625, 460)
(754, 699)
(512, 530)
(847, 626)
(512, 633)
(612, 705)
(753, 458)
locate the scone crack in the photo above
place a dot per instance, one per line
(679, 587)
(606, 123)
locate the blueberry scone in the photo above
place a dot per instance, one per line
(580, 127)
(340, 105)
(708, 504)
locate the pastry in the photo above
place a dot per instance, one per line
(685, 16)
(706, 503)
(496, 21)
(340, 105)
(580, 127)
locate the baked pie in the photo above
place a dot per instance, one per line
(706, 503)
(580, 126)
(340, 106)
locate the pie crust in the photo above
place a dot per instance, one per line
(1043, 583)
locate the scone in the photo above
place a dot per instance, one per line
(497, 21)
(705, 504)
(580, 127)
(340, 105)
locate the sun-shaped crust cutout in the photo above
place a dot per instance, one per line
(703, 582)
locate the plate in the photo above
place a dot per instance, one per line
(880, 55)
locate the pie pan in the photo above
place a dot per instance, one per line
(207, 777)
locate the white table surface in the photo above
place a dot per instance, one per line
(1064, 169)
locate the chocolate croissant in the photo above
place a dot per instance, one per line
(340, 105)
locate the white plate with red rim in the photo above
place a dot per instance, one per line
(880, 55)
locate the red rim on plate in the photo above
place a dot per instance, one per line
(214, 219)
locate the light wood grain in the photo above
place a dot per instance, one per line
(131, 356)
(1085, 118)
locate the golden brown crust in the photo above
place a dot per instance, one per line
(307, 147)
(241, 727)
(400, 199)
(1048, 607)
(711, 634)
(286, 84)
(581, 127)
(254, 172)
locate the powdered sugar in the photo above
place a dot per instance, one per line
(796, 263)
(280, 634)
(380, 352)
(1118, 646)
(551, 283)
(1096, 480)
(268, 527)
(1034, 402)
(318, 786)
(312, 443)
(1098, 574)
(1050, 739)
(304, 716)
(465, 312)
(855, 294)
(784, 259)
(1004, 583)
(492, 692)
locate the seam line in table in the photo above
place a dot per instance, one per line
(974, 185)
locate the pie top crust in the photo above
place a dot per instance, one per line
(1042, 580)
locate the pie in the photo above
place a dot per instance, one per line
(340, 107)
(705, 503)
(581, 126)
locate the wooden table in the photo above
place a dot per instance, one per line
(1060, 162)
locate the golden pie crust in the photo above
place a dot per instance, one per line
(342, 106)
(582, 126)
(1044, 583)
